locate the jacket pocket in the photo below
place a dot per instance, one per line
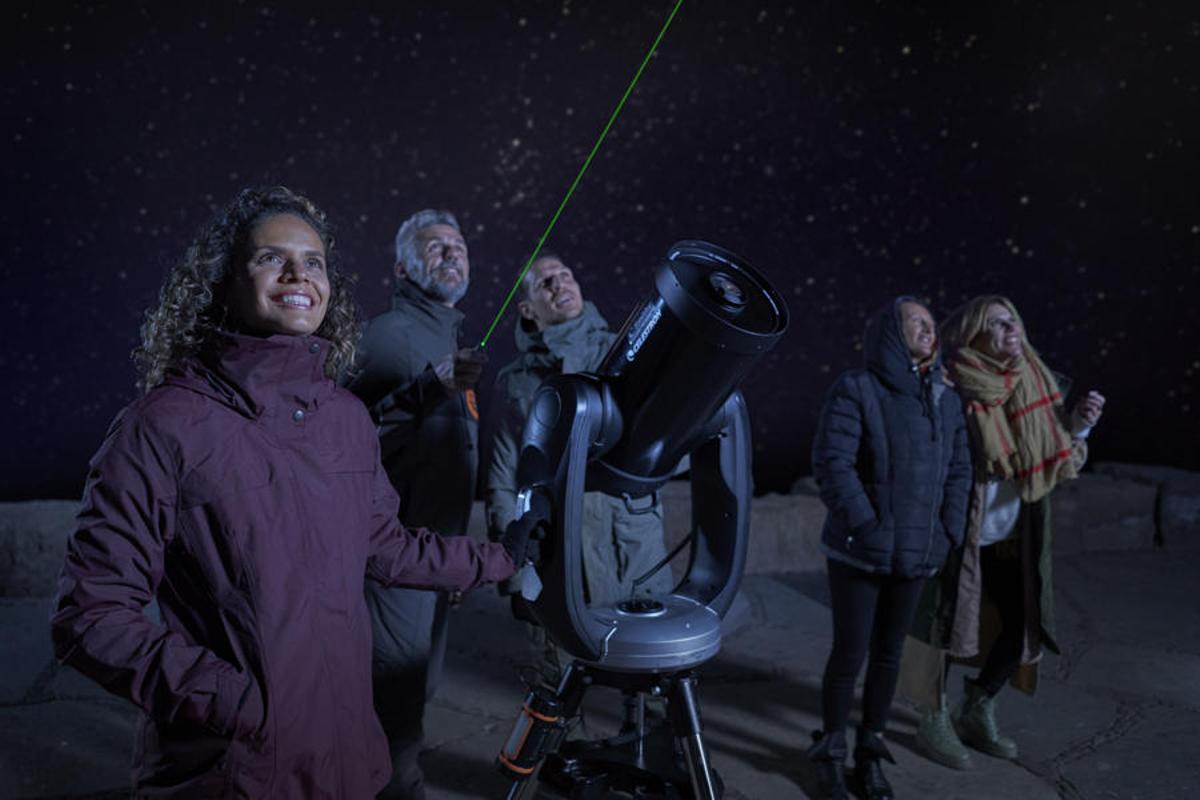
(868, 536)
(221, 504)
(349, 475)
(181, 756)
(249, 759)
(850, 540)
(862, 530)
(881, 500)
(339, 541)
(250, 716)
(940, 547)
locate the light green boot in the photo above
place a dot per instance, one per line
(976, 724)
(937, 741)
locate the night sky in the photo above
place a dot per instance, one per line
(851, 151)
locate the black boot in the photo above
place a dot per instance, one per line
(828, 754)
(869, 750)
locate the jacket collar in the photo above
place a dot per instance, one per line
(256, 375)
(562, 340)
(409, 298)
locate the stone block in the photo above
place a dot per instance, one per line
(1101, 512)
(1179, 512)
(1150, 474)
(785, 529)
(68, 749)
(806, 485)
(1177, 505)
(28, 656)
(33, 541)
(785, 534)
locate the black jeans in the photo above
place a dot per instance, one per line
(1003, 584)
(871, 613)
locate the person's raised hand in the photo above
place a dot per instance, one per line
(521, 536)
(1087, 412)
(461, 370)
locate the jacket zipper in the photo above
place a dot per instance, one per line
(934, 417)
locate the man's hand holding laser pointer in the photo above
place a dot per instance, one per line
(461, 370)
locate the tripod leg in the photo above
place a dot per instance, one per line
(685, 720)
(635, 722)
(522, 788)
(540, 729)
(571, 687)
(641, 728)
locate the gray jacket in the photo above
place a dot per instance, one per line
(618, 546)
(428, 437)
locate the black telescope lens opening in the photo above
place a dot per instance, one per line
(727, 291)
(718, 295)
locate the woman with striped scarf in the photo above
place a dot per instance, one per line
(1022, 446)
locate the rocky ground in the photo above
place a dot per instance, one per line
(1117, 716)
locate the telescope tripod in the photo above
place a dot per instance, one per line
(655, 761)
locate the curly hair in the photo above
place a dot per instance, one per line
(192, 302)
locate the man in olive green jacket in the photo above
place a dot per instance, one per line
(558, 333)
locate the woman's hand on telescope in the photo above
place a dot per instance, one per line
(521, 536)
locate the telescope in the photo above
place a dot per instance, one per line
(666, 389)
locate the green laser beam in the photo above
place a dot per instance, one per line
(571, 191)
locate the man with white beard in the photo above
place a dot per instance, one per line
(419, 385)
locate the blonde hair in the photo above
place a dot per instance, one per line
(965, 323)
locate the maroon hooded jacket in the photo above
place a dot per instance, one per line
(246, 495)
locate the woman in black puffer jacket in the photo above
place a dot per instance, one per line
(892, 463)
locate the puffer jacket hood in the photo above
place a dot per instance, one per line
(886, 354)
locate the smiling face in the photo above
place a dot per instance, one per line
(442, 268)
(920, 335)
(1001, 335)
(283, 286)
(552, 296)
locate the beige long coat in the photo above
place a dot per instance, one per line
(955, 619)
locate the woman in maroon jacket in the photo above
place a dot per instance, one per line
(244, 492)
